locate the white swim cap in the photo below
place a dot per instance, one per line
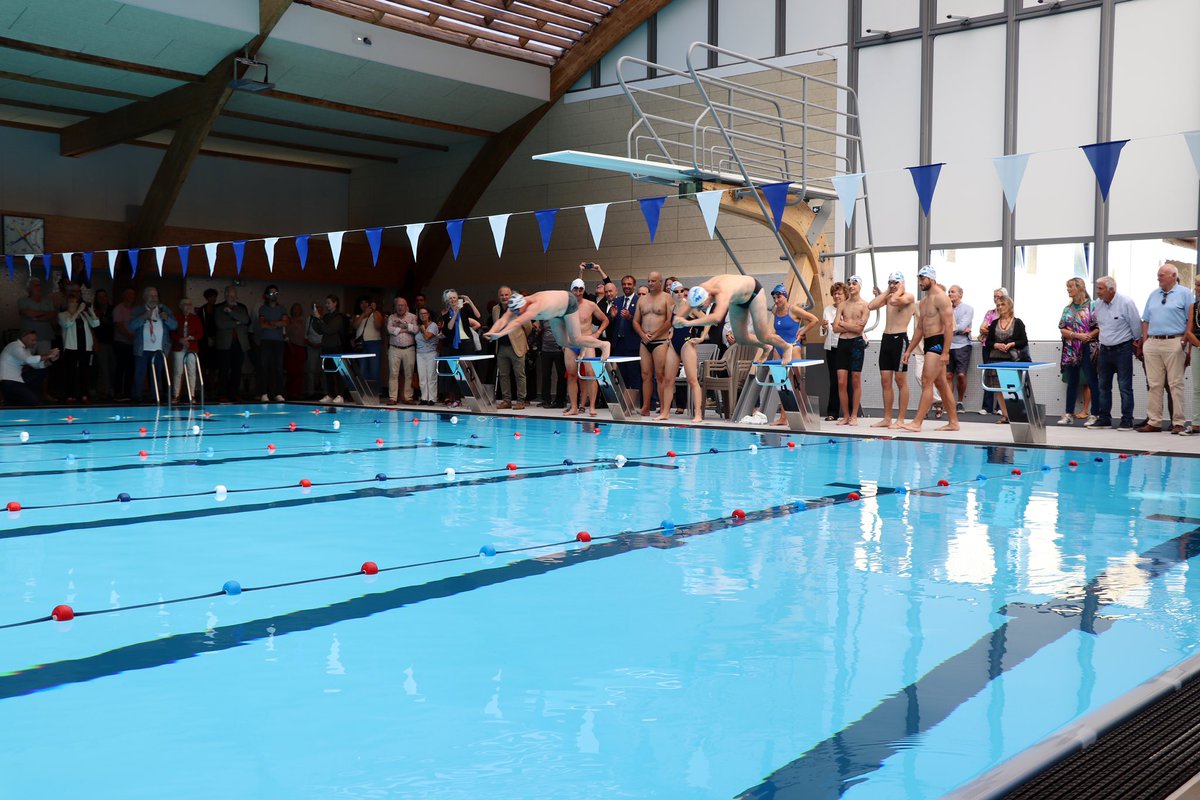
(516, 302)
(697, 297)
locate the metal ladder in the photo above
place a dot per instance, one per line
(746, 136)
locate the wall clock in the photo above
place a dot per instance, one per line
(24, 235)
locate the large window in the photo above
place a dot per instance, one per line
(1134, 264)
(975, 269)
(1042, 272)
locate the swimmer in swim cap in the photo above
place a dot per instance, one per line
(742, 297)
(560, 309)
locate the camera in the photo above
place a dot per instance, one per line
(588, 265)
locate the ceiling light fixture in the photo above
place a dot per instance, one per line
(241, 68)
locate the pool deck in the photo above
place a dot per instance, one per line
(975, 429)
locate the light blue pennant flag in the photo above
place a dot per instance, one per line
(776, 194)
(499, 223)
(596, 215)
(454, 229)
(335, 244)
(413, 232)
(1011, 171)
(67, 266)
(849, 189)
(29, 263)
(160, 255)
(1103, 156)
(374, 239)
(710, 207)
(651, 209)
(925, 178)
(210, 250)
(302, 249)
(545, 221)
(269, 245)
(1193, 142)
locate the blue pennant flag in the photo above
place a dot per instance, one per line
(374, 237)
(925, 178)
(46, 265)
(239, 250)
(1103, 157)
(776, 194)
(87, 266)
(545, 221)
(8, 262)
(133, 257)
(183, 256)
(454, 228)
(302, 249)
(651, 208)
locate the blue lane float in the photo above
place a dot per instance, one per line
(232, 588)
(123, 497)
(487, 550)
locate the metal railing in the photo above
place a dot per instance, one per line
(743, 133)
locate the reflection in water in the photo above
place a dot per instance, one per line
(585, 739)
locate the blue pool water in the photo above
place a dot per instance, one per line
(891, 646)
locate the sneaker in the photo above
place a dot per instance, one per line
(326, 399)
(264, 399)
(959, 408)
(280, 398)
(1189, 430)
(1096, 422)
(518, 406)
(1091, 420)
(338, 399)
(1065, 419)
(504, 404)
(1125, 426)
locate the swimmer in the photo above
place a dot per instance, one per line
(935, 325)
(742, 297)
(652, 324)
(557, 307)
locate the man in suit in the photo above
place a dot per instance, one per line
(510, 355)
(232, 321)
(625, 341)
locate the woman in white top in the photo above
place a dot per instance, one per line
(838, 293)
(427, 347)
(368, 332)
(77, 323)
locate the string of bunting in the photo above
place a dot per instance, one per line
(1103, 158)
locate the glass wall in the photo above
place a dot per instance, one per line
(1134, 264)
(975, 269)
(1042, 272)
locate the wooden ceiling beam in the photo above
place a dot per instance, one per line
(507, 9)
(377, 113)
(503, 26)
(591, 18)
(472, 40)
(71, 87)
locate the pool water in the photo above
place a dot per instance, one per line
(863, 632)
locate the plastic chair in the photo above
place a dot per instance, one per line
(726, 376)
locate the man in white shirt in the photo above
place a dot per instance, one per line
(960, 343)
(21, 371)
(150, 324)
(402, 354)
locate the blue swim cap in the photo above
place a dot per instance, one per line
(697, 297)
(516, 302)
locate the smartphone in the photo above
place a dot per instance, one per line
(588, 265)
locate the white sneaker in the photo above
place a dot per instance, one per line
(1091, 421)
(1065, 419)
(280, 398)
(338, 399)
(264, 399)
(326, 399)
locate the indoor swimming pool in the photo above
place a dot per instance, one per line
(574, 610)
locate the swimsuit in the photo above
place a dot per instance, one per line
(654, 345)
(891, 352)
(850, 353)
(787, 327)
(754, 294)
(935, 343)
(678, 338)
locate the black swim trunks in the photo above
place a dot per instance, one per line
(850, 354)
(654, 345)
(935, 344)
(754, 294)
(891, 351)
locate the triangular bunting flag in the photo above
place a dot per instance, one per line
(112, 262)
(87, 263)
(239, 251)
(499, 223)
(1103, 156)
(374, 238)
(29, 263)
(8, 262)
(454, 230)
(302, 249)
(183, 251)
(413, 232)
(651, 208)
(849, 189)
(545, 221)
(46, 265)
(1011, 171)
(269, 245)
(710, 206)
(925, 178)
(160, 255)
(596, 214)
(133, 259)
(210, 250)
(1193, 142)
(68, 267)
(776, 195)
(335, 244)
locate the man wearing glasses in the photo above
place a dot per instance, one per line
(901, 306)
(1119, 331)
(1164, 322)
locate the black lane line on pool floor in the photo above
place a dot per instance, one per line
(169, 649)
(833, 766)
(181, 435)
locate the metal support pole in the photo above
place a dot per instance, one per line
(1008, 224)
(926, 124)
(1104, 92)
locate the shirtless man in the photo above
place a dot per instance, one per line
(901, 306)
(935, 325)
(559, 308)
(589, 313)
(652, 324)
(743, 298)
(849, 324)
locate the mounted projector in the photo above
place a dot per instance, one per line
(241, 80)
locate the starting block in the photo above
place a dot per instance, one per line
(462, 369)
(1016, 387)
(608, 378)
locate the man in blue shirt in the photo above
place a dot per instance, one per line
(1119, 333)
(1164, 322)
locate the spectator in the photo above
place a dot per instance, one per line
(1164, 323)
(22, 369)
(232, 321)
(427, 345)
(960, 344)
(185, 350)
(458, 322)
(295, 352)
(1119, 336)
(1193, 337)
(620, 332)
(313, 374)
(37, 313)
(510, 356)
(402, 355)
(989, 398)
(208, 345)
(77, 323)
(368, 334)
(1077, 325)
(551, 360)
(334, 327)
(838, 293)
(151, 323)
(272, 324)
(103, 337)
(1006, 340)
